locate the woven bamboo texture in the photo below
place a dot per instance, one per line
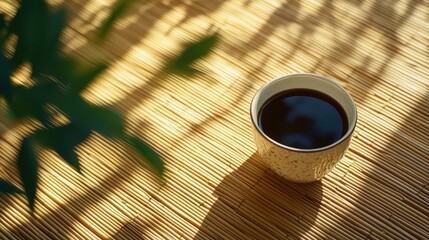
(216, 186)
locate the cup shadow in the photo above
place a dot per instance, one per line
(253, 202)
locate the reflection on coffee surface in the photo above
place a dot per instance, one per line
(303, 118)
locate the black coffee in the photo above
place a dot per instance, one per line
(303, 118)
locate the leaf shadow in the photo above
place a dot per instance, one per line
(252, 197)
(253, 201)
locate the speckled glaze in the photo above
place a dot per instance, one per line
(302, 165)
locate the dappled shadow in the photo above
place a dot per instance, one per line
(373, 191)
(251, 195)
(287, 13)
(56, 219)
(254, 202)
(131, 230)
(147, 15)
(389, 181)
(138, 22)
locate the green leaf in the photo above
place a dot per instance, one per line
(23, 103)
(5, 71)
(146, 152)
(182, 64)
(70, 156)
(46, 58)
(3, 30)
(106, 122)
(54, 29)
(85, 77)
(78, 75)
(90, 117)
(67, 70)
(31, 101)
(27, 167)
(29, 24)
(2, 22)
(7, 187)
(63, 140)
(5, 65)
(119, 8)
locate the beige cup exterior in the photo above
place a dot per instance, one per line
(302, 165)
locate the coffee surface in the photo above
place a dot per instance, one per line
(303, 118)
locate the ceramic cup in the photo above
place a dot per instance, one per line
(302, 165)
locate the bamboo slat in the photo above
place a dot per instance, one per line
(216, 186)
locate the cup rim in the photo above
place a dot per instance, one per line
(311, 75)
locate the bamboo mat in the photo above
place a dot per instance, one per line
(216, 186)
